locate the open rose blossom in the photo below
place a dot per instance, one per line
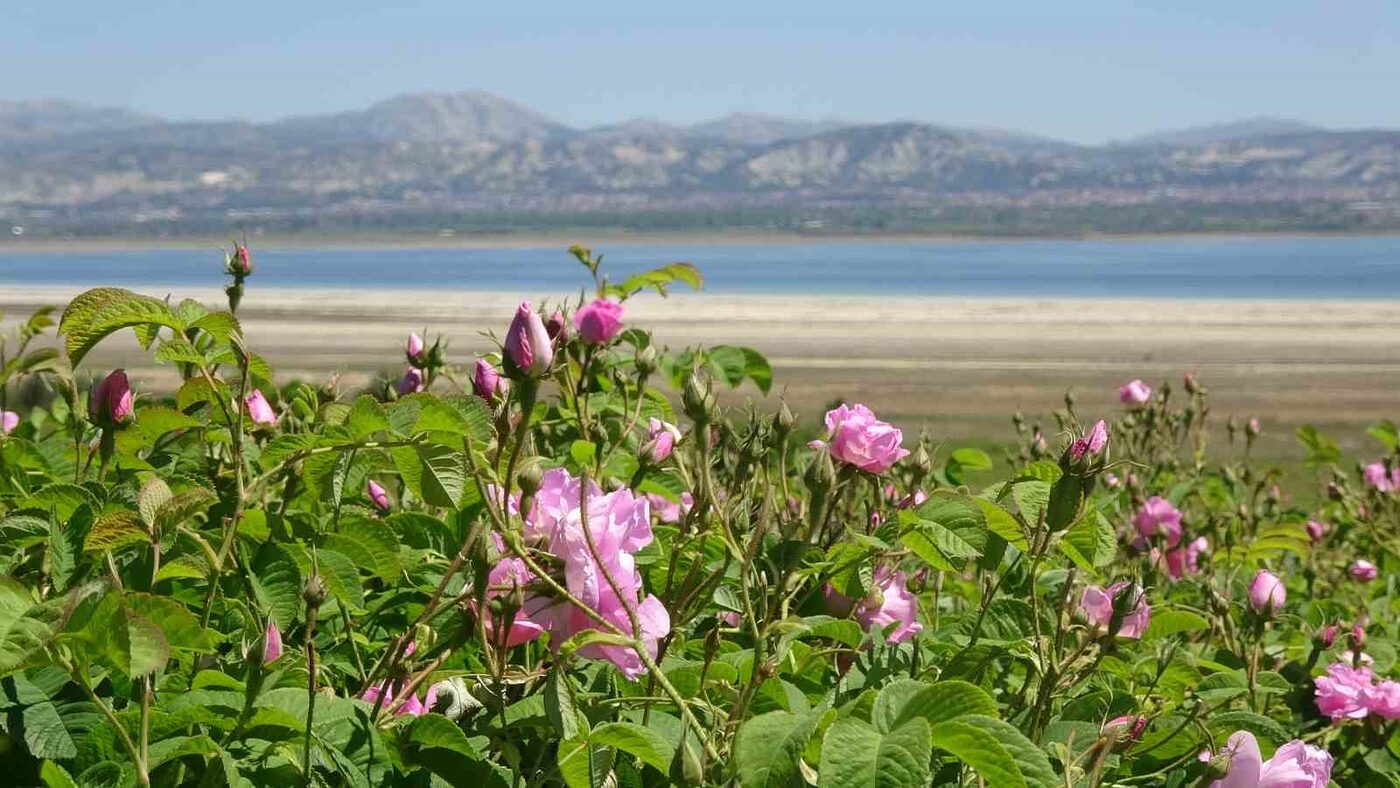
(528, 345)
(1385, 700)
(1158, 517)
(259, 410)
(1266, 593)
(1344, 692)
(1362, 571)
(662, 437)
(1294, 765)
(888, 603)
(598, 322)
(8, 421)
(1097, 605)
(595, 547)
(1379, 479)
(110, 402)
(858, 438)
(1134, 393)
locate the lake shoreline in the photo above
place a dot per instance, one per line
(600, 240)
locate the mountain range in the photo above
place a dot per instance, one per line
(477, 161)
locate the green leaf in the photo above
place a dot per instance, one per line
(366, 418)
(757, 369)
(154, 493)
(907, 699)
(1030, 759)
(181, 628)
(559, 705)
(768, 747)
(646, 744)
(659, 279)
(154, 422)
(583, 764)
(93, 315)
(980, 750)
(437, 474)
(177, 747)
(946, 531)
(114, 531)
(277, 583)
(856, 755)
(53, 727)
(370, 544)
(1001, 523)
(61, 499)
(182, 506)
(1230, 721)
(123, 639)
(1321, 450)
(436, 743)
(25, 628)
(1172, 621)
(1090, 542)
(54, 776)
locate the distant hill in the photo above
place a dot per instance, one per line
(1226, 132)
(475, 158)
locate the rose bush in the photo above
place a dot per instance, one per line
(568, 563)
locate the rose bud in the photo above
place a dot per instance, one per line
(1134, 393)
(661, 440)
(1266, 593)
(557, 327)
(377, 496)
(259, 410)
(411, 382)
(414, 350)
(528, 346)
(1362, 571)
(486, 382)
(110, 402)
(272, 643)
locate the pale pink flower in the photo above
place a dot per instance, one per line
(1134, 393)
(1267, 593)
(669, 511)
(599, 321)
(1362, 571)
(1381, 480)
(528, 345)
(487, 382)
(1097, 604)
(1294, 765)
(888, 603)
(8, 421)
(662, 437)
(377, 495)
(858, 438)
(1345, 692)
(1184, 559)
(272, 643)
(412, 707)
(1384, 700)
(110, 402)
(259, 410)
(414, 349)
(1158, 517)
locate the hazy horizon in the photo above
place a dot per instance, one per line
(1090, 71)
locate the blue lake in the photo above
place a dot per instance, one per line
(1227, 267)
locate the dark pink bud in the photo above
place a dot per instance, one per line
(486, 382)
(412, 381)
(528, 345)
(110, 402)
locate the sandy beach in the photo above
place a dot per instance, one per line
(956, 367)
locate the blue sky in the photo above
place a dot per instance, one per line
(1087, 70)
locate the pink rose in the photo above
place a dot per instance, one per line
(377, 495)
(1316, 529)
(272, 643)
(110, 402)
(8, 421)
(1128, 726)
(411, 382)
(555, 326)
(487, 382)
(528, 345)
(599, 322)
(414, 349)
(1379, 479)
(1183, 560)
(858, 438)
(1135, 393)
(1097, 604)
(259, 410)
(1091, 444)
(1267, 593)
(669, 511)
(661, 440)
(888, 603)
(1362, 571)
(1158, 517)
(412, 707)
(1384, 700)
(1294, 765)
(1345, 692)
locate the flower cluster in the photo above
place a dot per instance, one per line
(1348, 691)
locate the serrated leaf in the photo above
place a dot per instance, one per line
(856, 755)
(366, 417)
(1030, 759)
(93, 315)
(646, 744)
(1171, 621)
(184, 505)
(153, 494)
(25, 627)
(114, 531)
(768, 747)
(437, 474)
(979, 749)
(907, 699)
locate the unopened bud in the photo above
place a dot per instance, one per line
(698, 398)
(530, 478)
(314, 593)
(820, 473)
(784, 421)
(1358, 639)
(1327, 636)
(646, 361)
